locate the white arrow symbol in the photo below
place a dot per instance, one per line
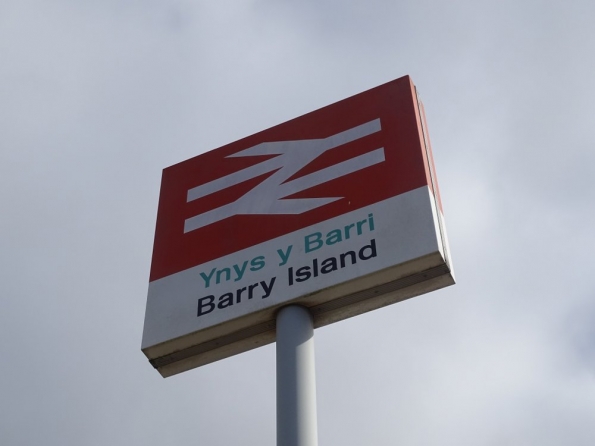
(268, 197)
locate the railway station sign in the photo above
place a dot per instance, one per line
(337, 210)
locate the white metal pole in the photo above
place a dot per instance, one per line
(296, 378)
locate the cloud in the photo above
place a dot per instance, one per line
(97, 98)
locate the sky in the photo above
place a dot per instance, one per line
(96, 98)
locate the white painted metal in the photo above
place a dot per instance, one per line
(296, 378)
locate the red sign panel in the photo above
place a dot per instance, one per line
(329, 143)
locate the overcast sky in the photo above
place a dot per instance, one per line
(96, 98)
